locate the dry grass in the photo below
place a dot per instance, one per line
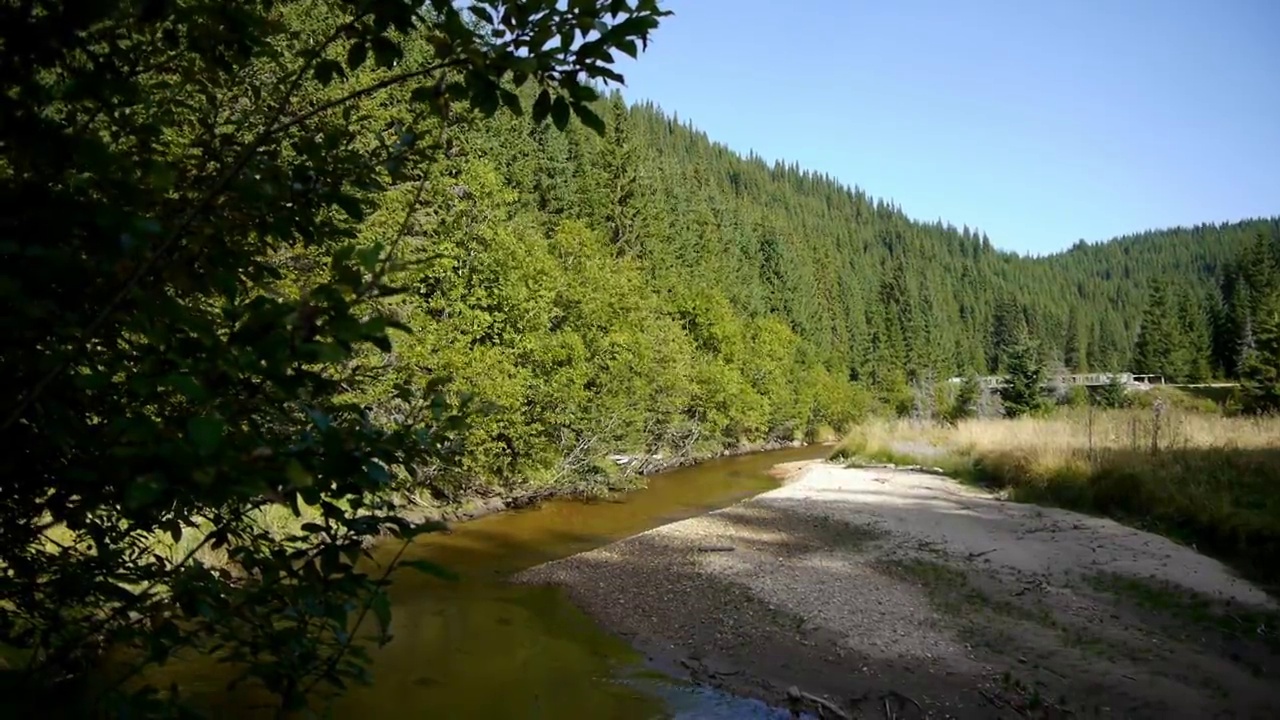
(1207, 480)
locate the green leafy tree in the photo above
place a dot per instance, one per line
(193, 293)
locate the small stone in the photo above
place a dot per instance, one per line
(793, 693)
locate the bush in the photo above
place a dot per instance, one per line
(964, 404)
(1075, 396)
(1113, 395)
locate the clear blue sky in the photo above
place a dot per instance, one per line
(1038, 121)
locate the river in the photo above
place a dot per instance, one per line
(481, 647)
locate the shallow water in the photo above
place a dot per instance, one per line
(481, 647)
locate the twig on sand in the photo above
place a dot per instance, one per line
(825, 706)
(987, 696)
(984, 552)
(902, 702)
(998, 704)
(903, 699)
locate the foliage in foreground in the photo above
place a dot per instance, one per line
(1210, 481)
(193, 301)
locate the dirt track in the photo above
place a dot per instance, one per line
(887, 593)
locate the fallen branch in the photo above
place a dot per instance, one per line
(903, 699)
(825, 704)
(987, 696)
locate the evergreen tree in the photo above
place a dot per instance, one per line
(1195, 362)
(1075, 352)
(1024, 379)
(964, 404)
(1113, 394)
(1160, 347)
(1261, 375)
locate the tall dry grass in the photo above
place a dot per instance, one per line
(1207, 480)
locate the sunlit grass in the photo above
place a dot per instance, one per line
(1207, 480)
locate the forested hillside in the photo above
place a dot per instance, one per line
(651, 288)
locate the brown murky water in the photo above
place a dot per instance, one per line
(483, 648)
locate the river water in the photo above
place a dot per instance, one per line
(481, 647)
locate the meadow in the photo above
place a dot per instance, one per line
(1205, 479)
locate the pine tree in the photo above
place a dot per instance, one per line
(1008, 327)
(1024, 379)
(1159, 349)
(1261, 376)
(1195, 363)
(1075, 351)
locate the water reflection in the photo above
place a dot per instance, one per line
(482, 648)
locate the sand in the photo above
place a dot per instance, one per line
(890, 593)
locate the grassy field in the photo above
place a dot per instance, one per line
(1207, 480)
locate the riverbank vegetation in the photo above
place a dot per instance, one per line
(1202, 478)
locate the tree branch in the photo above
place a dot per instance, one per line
(150, 263)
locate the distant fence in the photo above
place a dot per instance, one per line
(1129, 380)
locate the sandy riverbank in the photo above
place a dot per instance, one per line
(887, 593)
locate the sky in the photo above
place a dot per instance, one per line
(1040, 122)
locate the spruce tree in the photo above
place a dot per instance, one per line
(1075, 351)
(1158, 349)
(1024, 378)
(1261, 376)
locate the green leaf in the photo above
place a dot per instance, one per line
(589, 118)
(511, 101)
(484, 92)
(380, 604)
(92, 380)
(542, 105)
(326, 69)
(350, 205)
(357, 54)
(205, 433)
(422, 93)
(369, 257)
(560, 113)
(174, 528)
(188, 387)
(583, 93)
(385, 51)
(483, 14)
(143, 491)
(297, 475)
(329, 352)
